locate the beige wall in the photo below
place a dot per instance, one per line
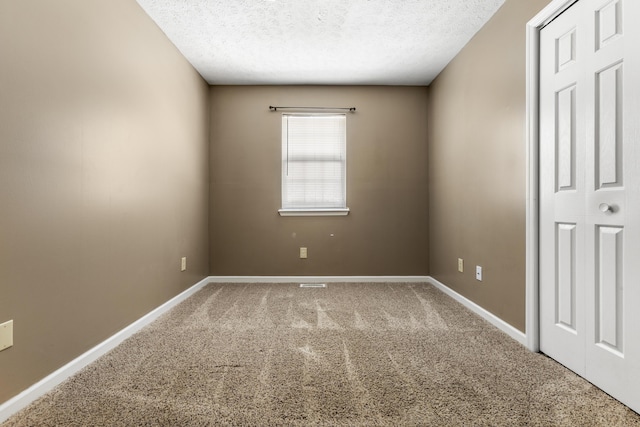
(477, 165)
(107, 177)
(103, 177)
(386, 231)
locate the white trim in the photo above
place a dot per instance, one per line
(45, 385)
(531, 269)
(550, 12)
(314, 212)
(491, 318)
(318, 279)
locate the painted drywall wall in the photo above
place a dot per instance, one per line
(386, 231)
(103, 177)
(477, 157)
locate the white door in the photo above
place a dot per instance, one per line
(590, 194)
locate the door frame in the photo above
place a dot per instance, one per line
(534, 26)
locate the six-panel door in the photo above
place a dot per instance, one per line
(590, 194)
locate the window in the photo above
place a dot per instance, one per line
(314, 165)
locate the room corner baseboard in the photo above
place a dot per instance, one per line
(45, 385)
(486, 315)
(328, 279)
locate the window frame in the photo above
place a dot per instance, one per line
(311, 211)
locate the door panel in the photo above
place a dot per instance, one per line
(566, 277)
(608, 161)
(566, 155)
(608, 22)
(590, 194)
(562, 222)
(609, 289)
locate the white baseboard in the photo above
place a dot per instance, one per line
(43, 386)
(491, 318)
(306, 279)
(486, 315)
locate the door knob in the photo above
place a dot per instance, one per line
(605, 208)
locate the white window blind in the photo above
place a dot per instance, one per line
(313, 161)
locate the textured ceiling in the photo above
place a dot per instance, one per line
(355, 42)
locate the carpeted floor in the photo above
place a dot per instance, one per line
(369, 354)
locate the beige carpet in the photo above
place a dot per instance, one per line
(352, 354)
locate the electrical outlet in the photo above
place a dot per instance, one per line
(183, 263)
(478, 273)
(303, 253)
(6, 335)
(460, 265)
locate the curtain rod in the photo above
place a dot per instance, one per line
(352, 109)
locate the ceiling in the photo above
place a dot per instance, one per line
(343, 42)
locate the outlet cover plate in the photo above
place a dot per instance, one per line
(6, 335)
(478, 273)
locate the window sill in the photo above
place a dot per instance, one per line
(314, 212)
